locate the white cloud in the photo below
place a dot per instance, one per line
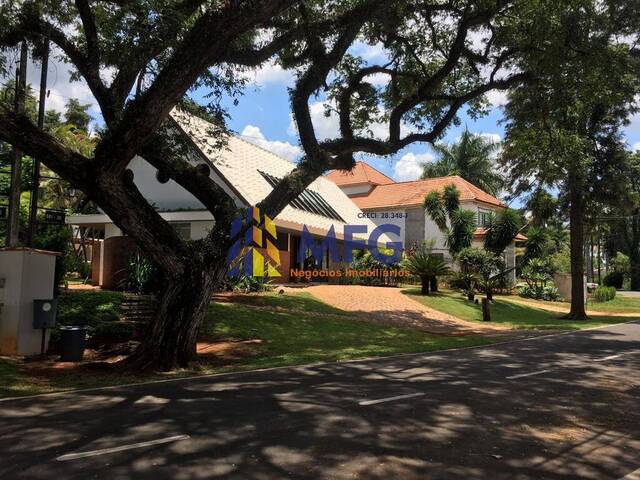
(636, 147)
(252, 134)
(325, 127)
(329, 127)
(497, 98)
(409, 167)
(60, 86)
(371, 53)
(494, 137)
(270, 73)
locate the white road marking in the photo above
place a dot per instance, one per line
(121, 448)
(611, 357)
(530, 374)
(390, 399)
(635, 475)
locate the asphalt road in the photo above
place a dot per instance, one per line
(558, 407)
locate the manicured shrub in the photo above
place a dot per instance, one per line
(540, 292)
(604, 294)
(613, 279)
(89, 308)
(109, 333)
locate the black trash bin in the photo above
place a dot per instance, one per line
(73, 340)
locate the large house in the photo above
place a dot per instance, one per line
(382, 200)
(247, 173)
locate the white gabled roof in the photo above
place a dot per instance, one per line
(240, 164)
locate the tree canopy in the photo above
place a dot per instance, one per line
(473, 157)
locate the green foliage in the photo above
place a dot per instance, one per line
(89, 308)
(502, 229)
(539, 292)
(621, 263)
(472, 158)
(76, 114)
(246, 284)
(460, 234)
(543, 207)
(461, 223)
(55, 238)
(110, 332)
(422, 263)
(435, 210)
(538, 273)
(478, 261)
(142, 275)
(365, 261)
(451, 199)
(561, 260)
(603, 294)
(613, 279)
(536, 244)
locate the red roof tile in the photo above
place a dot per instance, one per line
(404, 194)
(359, 174)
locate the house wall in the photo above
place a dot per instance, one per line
(169, 195)
(417, 226)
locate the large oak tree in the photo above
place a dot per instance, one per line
(142, 58)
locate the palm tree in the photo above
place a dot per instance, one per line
(424, 264)
(456, 224)
(502, 229)
(472, 158)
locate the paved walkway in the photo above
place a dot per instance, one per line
(390, 306)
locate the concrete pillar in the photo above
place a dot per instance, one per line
(25, 275)
(563, 284)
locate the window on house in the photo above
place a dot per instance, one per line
(183, 230)
(484, 218)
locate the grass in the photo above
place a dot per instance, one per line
(299, 301)
(503, 312)
(292, 330)
(88, 307)
(619, 304)
(291, 338)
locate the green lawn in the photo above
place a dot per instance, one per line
(298, 301)
(293, 338)
(291, 329)
(505, 313)
(88, 307)
(617, 305)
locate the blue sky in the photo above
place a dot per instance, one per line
(263, 115)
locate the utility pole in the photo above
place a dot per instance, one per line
(33, 205)
(13, 222)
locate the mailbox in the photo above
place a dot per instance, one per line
(44, 313)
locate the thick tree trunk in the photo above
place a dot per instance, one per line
(434, 284)
(634, 273)
(425, 285)
(576, 230)
(170, 338)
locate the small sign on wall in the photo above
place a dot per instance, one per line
(54, 216)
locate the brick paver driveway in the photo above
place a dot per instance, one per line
(389, 306)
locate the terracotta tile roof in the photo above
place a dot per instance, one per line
(404, 194)
(361, 173)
